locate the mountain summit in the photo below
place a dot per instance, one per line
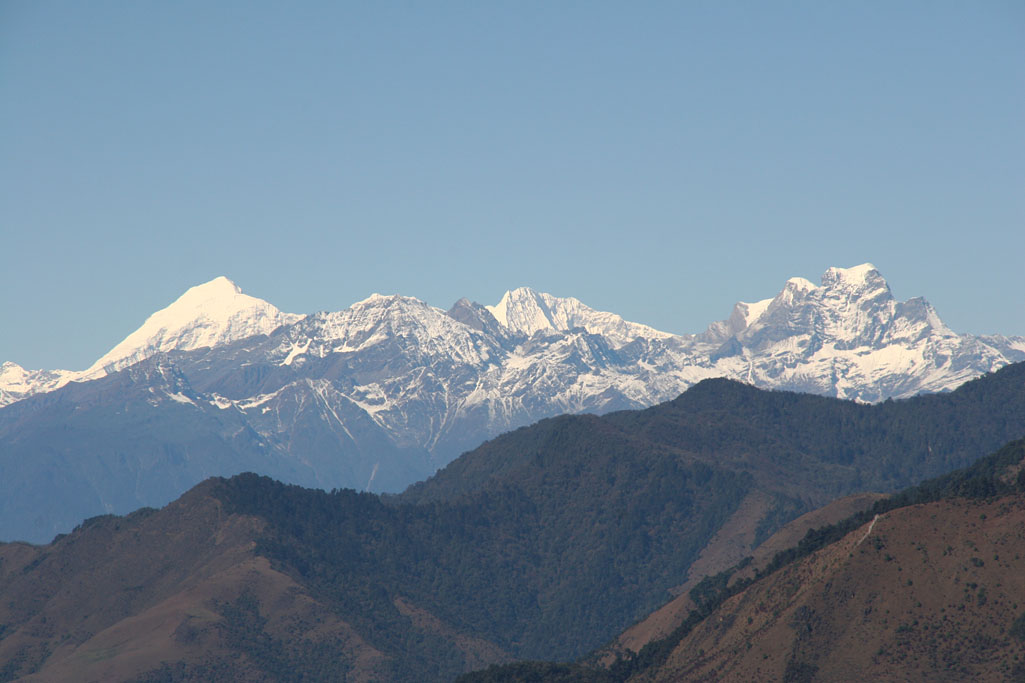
(213, 313)
(525, 311)
(849, 337)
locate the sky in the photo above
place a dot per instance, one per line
(661, 160)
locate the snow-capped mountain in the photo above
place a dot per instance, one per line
(847, 337)
(17, 383)
(850, 338)
(211, 314)
(524, 311)
(383, 393)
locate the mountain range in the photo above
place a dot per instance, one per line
(543, 543)
(383, 393)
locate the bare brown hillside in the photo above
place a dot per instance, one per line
(734, 542)
(175, 594)
(923, 593)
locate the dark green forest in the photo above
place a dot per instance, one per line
(551, 574)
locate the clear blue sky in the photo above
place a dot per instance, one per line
(659, 160)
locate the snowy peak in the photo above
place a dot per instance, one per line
(17, 383)
(857, 276)
(849, 337)
(387, 309)
(752, 312)
(525, 311)
(743, 316)
(852, 309)
(477, 317)
(217, 289)
(795, 289)
(216, 312)
(799, 285)
(393, 320)
(11, 373)
(863, 283)
(218, 293)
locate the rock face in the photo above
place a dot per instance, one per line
(385, 392)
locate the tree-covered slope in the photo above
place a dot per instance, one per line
(551, 570)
